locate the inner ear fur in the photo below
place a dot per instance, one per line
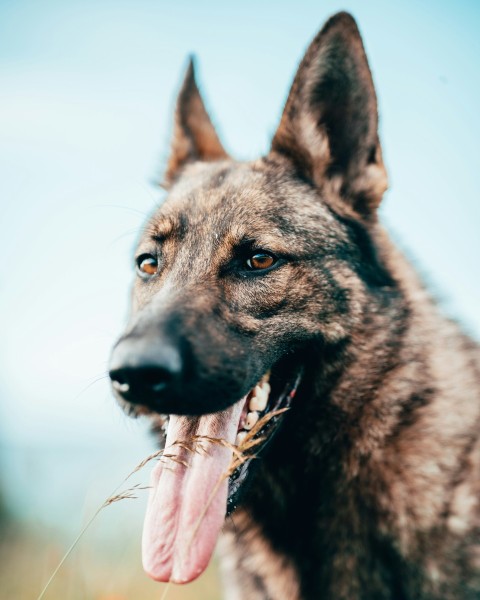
(194, 136)
(329, 127)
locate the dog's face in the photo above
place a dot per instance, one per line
(242, 273)
(226, 268)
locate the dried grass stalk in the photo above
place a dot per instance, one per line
(196, 444)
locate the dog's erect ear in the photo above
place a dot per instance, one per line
(194, 137)
(329, 124)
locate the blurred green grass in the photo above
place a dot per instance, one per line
(96, 570)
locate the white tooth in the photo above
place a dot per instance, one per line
(266, 388)
(252, 418)
(259, 400)
(241, 435)
(258, 390)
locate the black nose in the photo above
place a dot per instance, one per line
(142, 369)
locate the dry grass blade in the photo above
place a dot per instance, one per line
(174, 458)
(127, 494)
(261, 423)
(241, 454)
(112, 498)
(189, 447)
(219, 442)
(143, 463)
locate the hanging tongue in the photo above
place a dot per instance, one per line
(187, 504)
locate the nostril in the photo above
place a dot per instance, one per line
(123, 388)
(119, 381)
(137, 384)
(156, 379)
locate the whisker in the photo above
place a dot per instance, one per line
(89, 385)
(122, 207)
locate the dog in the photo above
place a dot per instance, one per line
(270, 307)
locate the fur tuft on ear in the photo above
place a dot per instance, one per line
(194, 136)
(329, 125)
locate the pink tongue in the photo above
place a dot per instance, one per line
(187, 505)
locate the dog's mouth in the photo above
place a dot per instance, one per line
(261, 416)
(199, 478)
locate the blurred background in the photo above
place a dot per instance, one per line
(86, 96)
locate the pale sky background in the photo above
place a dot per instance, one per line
(86, 95)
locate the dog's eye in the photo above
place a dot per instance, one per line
(260, 261)
(147, 265)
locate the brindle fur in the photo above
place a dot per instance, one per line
(371, 488)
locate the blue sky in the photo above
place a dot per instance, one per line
(86, 95)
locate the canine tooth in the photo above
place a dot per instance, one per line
(241, 435)
(252, 418)
(260, 394)
(258, 401)
(257, 390)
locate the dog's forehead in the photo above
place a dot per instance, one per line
(230, 195)
(218, 188)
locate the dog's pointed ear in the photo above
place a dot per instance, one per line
(194, 136)
(329, 125)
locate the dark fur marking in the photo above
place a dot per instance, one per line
(410, 412)
(368, 265)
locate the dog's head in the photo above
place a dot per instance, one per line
(243, 273)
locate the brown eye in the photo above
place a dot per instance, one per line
(260, 261)
(147, 265)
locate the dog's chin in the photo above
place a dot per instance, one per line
(203, 472)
